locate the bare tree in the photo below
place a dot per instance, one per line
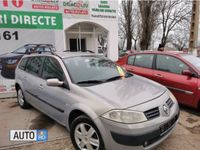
(136, 35)
(126, 21)
(149, 10)
(173, 12)
(180, 36)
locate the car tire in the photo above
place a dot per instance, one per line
(21, 99)
(85, 135)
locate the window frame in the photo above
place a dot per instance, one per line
(189, 68)
(153, 61)
(133, 60)
(40, 69)
(64, 76)
(27, 59)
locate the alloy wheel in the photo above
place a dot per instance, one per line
(86, 137)
(20, 97)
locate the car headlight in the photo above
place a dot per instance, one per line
(125, 116)
(11, 61)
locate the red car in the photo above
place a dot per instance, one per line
(180, 72)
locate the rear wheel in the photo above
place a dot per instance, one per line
(21, 100)
(85, 135)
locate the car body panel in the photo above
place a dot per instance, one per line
(128, 92)
(145, 72)
(182, 86)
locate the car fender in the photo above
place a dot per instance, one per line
(84, 108)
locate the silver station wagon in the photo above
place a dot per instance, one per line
(103, 106)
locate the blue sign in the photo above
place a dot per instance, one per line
(42, 135)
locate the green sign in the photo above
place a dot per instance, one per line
(103, 6)
(30, 20)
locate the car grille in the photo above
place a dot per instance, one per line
(169, 102)
(164, 129)
(152, 113)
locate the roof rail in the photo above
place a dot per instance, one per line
(79, 51)
(38, 44)
(50, 52)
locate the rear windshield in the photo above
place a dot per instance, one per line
(195, 61)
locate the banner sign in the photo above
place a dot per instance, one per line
(45, 4)
(30, 20)
(30, 25)
(76, 8)
(103, 9)
(30, 5)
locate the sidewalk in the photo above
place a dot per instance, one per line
(13, 117)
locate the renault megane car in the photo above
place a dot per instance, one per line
(178, 71)
(103, 107)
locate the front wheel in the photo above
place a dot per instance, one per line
(85, 135)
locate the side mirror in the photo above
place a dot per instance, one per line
(54, 82)
(187, 73)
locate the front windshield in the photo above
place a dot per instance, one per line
(89, 68)
(195, 61)
(21, 50)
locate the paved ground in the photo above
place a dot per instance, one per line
(185, 137)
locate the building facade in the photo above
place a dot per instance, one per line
(195, 26)
(72, 25)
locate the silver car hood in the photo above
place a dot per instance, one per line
(127, 92)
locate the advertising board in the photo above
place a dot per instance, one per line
(25, 25)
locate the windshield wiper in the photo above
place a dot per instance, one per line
(90, 81)
(102, 81)
(113, 78)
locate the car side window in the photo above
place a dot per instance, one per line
(22, 64)
(52, 69)
(34, 65)
(47, 49)
(131, 60)
(40, 49)
(170, 64)
(144, 60)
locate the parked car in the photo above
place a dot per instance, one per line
(103, 106)
(180, 72)
(9, 61)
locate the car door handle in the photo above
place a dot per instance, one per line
(130, 69)
(158, 75)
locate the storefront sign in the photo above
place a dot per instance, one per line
(103, 9)
(30, 20)
(45, 4)
(76, 8)
(15, 3)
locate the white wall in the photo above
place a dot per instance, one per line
(110, 25)
(27, 37)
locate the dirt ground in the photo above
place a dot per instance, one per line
(186, 136)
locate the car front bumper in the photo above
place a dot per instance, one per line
(145, 135)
